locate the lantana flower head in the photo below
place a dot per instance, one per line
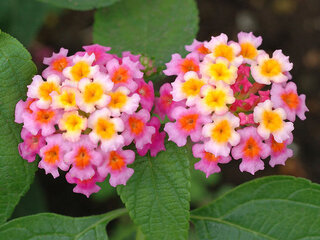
(239, 103)
(82, 114)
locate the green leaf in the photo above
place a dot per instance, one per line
(51, 226)
(18, 18)
(16, 174)
(158, 194)
(278, 207)
(155, 28)
(80, 4)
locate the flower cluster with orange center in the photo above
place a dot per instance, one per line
(232, 99)
(83, 112)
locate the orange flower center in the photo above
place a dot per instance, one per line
(251, 148)
(291, 99)
(121, 75)
(136, 125)
(28, 104)
(203, 50)
(277, 147)
(60, 64)
(51, 156)
(116, 161)
(189, 65)
(82, 158)
(188, 122)
(210, 157)
(44, 115)
(248, 50)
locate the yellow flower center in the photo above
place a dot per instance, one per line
(248, 50)
(73, 122)
(105, 128)
(272, 121)
(225, 51)
(219, 71)
(192, 87)
(118, 100)
(215, 98)
(270, 68)
(92, 92)
(221, 132)
(80, 70)
(68, 99)
(46, 88)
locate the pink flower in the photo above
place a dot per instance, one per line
(133, 58)
(246, 119)
(86, 187)
(251, 149)
(264, 95)
(23, 108)
(250, 102)
(164, 105)
(249, 46)
(137, 129)
(279, 152)
(122, 74)
(31, 145)
(157, 140)
(287, 98)
(115, 163)
(189, 122)
(57, 63)
(41, 119)
(209, 162)
(198, 47)
(83, 157)
(53, 155)
(99, 52)
(146, 94)
(179, 66)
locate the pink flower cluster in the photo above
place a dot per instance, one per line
(232, 99)
(83, 111)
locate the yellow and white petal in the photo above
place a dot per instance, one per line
(73, 124)
(66, 99)
(121, 102)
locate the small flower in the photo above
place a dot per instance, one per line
(120, 102)
(221, 134)
(53, 155)
(219, 70)
(209, 162)
(164, 105)
(84, 158)
(199, 48)
(23, 108)
(157, 140)
(66, 99)
(93, 93)
(287, 98)
(221, 48)
(124, 73)
(137, 128)
(246, 119)
(87, 186)
(188, 89)
(267, 70)
(115, 163)
(179, 66)
(73, 124)
(279, 152)
(249, 46)
(101, 57)
(31, 145)
(57, 63)
(146, 94)
(250, 149)
(215, 99)
(41, 90)
(105, 129)
(272, 122)
(188, 123)
(82, 68)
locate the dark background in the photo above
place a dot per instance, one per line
(290, 25)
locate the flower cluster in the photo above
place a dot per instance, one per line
(232, 99)
(83, 111)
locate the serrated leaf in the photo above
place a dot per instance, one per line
(273, 208)
(158, 194)
(80, 4)
(16, 174)
(51, 226)
(18, 18)
(156, 28)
